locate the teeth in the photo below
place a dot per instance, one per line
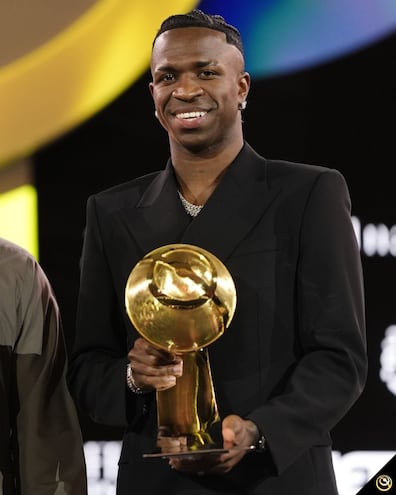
(190, 115)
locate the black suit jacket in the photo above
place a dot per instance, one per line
(294, 357)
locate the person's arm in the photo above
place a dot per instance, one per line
(98, 361)
(331, 371)
(50, 445)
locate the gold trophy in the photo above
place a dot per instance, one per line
(181, 298)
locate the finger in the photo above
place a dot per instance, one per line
(231, 430)
(153, 378)
(153, 369)
(145, 352)
(147, 360)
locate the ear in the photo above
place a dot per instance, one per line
(244, 86)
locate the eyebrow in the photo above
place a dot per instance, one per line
(199, 64)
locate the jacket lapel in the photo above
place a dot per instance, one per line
(158, 218)
(235, 207)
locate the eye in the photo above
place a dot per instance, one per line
(207, 74)
(164, 77)
(168, 77)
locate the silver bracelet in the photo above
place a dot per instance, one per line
(131, 382)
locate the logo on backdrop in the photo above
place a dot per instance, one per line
(388, 359)
(375, 239)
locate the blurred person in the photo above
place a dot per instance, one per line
(41, 448)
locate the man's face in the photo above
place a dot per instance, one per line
(198, 82)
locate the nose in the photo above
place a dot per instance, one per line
(187, 88)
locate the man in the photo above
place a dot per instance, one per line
(293, 360)
(41, 448)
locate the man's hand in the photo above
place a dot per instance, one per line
(153, 368)
(239, 435)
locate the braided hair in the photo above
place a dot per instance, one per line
(197, 18)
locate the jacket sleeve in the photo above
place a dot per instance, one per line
(97, 369)
(50, 445)
(330, 372)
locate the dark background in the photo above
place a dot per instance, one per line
(340, 114)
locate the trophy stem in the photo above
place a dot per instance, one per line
(187, 410)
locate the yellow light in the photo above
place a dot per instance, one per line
(66, 80)
(18, 217)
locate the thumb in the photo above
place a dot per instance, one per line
(231, 429)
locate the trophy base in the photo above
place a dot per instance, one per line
(188, 445)
(191, 454)
(186, 454)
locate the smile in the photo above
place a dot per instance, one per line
(190, 115)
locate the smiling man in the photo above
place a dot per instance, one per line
(293, 360)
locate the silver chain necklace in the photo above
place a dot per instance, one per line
(190, 208)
